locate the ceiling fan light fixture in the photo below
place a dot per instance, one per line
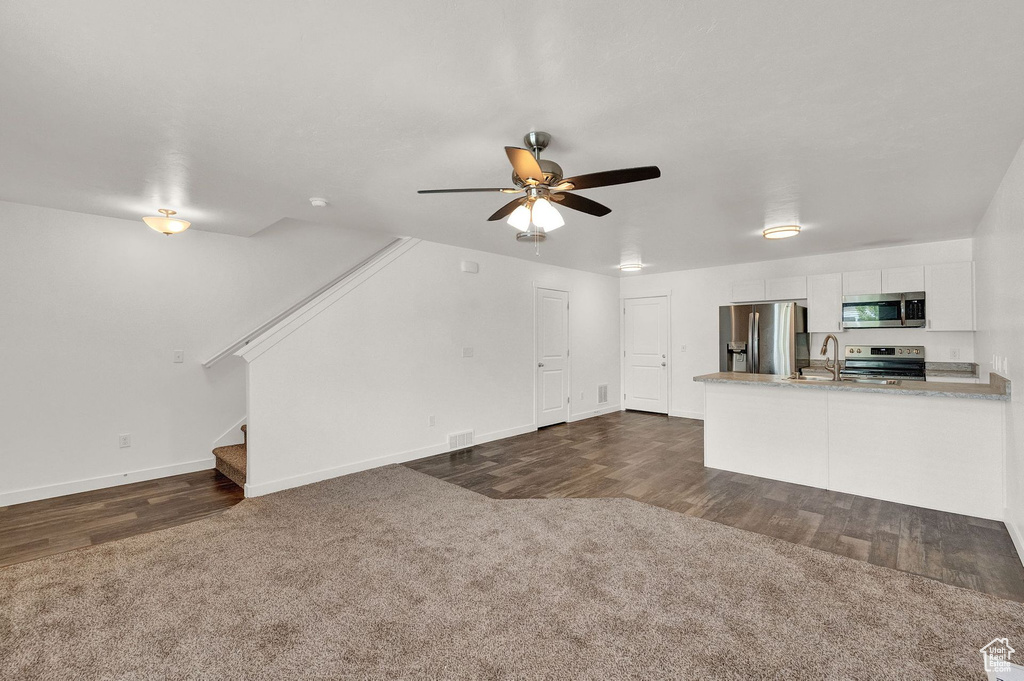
(781, 231)
(631, 267)
(545, 216)
(520, 218)
(166, 224)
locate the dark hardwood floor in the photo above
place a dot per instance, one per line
(42, 528)
(659, 460)
(650, 458)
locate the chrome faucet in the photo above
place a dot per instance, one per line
(834, 366)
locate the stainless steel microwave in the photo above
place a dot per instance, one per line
(899, 310)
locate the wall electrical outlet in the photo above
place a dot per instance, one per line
(124, 440)
(682, 348)
(179, 356)
(954, 353)
(431, 421)
(581, 396)
(467, 352)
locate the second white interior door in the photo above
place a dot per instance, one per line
(552, 357)
(646, 339)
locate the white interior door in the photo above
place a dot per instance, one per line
(645, 336)
(552, 357)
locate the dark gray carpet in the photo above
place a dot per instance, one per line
(391, 573)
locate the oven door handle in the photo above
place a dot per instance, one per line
(903, 309)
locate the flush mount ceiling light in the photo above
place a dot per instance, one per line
(630, 267)
(781, 231)
(167, 225)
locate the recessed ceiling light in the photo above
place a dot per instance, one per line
(781, 231)
(167, 225)
(631, 267)
(317, 203)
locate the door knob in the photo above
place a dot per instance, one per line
(662, 364)
(540, 364)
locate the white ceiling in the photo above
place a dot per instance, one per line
(871, 123)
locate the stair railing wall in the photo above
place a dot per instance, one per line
(277, 319)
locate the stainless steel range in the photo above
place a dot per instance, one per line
(905, 362)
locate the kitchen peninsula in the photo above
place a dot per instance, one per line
(929, 444)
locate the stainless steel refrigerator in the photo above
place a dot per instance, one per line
(769, 338)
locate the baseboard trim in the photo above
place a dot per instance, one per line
(60, 489)
(1015, 534)
(687, 414)
(281, 484)
(597, 412)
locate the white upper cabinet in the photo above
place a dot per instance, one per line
(786, 288)
(949, 296)
(903, 279)
(748, 291)
(862, 282)
(825, 303)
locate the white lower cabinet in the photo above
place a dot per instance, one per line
(936, 452)
(941, 453)
(769, 432)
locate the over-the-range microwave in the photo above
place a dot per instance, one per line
(900, 310)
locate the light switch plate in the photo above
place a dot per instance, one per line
(124, 440)
(179, 356)
(467, 352)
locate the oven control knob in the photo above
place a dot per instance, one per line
(917, 352)
(900, 351)
(858, 350)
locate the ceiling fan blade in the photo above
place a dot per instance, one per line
(610, 177)
(525, 164)
(506, 190)
(582, 204)
(507, 209)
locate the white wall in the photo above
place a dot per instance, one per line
(999, 254)
(354, 387)
(697, 295)
(91, 311)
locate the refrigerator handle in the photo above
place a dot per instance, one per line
(752, 354)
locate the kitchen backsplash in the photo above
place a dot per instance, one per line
(940, 346)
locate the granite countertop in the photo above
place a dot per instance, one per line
(997, 389)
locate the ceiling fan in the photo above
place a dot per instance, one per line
(544, 185)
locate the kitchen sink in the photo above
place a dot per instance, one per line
(825, 379)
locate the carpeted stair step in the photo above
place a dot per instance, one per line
(231, 462)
